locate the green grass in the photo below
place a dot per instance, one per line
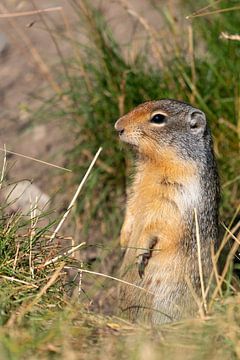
(61, 333)
(101, 85)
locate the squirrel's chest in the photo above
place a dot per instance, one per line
(163, 205)
(161, 196)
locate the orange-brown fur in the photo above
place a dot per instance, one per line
(161, 215)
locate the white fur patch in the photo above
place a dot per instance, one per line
(188, 196)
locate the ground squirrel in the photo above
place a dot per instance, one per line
(175, 173)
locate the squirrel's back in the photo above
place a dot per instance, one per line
(176, 181)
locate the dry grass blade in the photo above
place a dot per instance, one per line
(216, 271)
(32, 232)
(112, 278)
(12, 279)
(4, 166)
(76, 194)
(230, 182)
(66, 253)
(16, 255)
(192, 62)
(29, 13)
(228, 123)
(34, 159)
(230, 256)
(213, 12)
(231, 233)
(203, 9)
(218, 253)
(196, 298)
(227, 36)
(200, 261)
(151, 30)
(99, 162)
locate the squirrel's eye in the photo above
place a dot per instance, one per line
(158, 119)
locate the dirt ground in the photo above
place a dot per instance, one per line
(23, 88)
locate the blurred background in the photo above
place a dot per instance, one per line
(69, 69)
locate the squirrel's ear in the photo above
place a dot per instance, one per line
(197, 122)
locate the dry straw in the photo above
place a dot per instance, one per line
(33, 159)
(230, 256)
(66, 253)
(3, 166)
(111, 277)
(70, 206)
(200, 261)
(13, 279)
(227, 36)
(30, 13)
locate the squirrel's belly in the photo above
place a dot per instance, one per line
(161, 216)
(166, 296)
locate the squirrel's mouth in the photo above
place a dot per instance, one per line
(132, 139)
(127, 134)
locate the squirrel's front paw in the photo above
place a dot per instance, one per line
(142, 261)
(144, 254)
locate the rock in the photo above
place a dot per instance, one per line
(24, 197)
(3, 44)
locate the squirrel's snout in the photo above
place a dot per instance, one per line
(119, 128)
(121, 131)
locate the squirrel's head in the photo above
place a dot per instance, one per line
(156, 126)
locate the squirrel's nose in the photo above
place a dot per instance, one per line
(121, 131)
(119, 128)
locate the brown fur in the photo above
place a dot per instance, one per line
(159, 215)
